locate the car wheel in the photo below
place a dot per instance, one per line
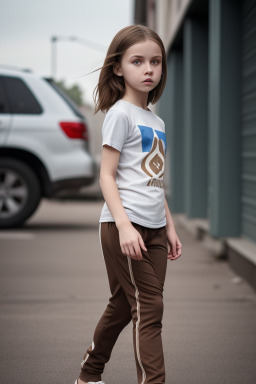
(20, 192)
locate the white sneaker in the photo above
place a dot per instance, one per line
(92, 382)
(96, 382)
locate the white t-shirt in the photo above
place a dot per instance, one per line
(139, 135)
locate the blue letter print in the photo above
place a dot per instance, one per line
(147, 135)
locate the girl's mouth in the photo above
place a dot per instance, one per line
(148, 81)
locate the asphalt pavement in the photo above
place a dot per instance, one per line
(54, 288)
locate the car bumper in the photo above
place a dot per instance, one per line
(69, 184)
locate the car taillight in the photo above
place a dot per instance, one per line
(75, 130)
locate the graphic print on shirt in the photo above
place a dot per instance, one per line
(153, 141)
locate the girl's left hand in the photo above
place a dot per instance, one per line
(173, 244)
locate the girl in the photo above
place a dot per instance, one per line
(136, 229)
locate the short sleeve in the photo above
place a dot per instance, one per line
(115, 129)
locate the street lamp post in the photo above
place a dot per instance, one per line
(55, 39)
(53, 56)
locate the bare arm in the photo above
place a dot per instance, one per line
(169, 220)
(130, 239)
(109, 162)
(174, 245)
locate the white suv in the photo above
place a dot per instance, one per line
(44, 145)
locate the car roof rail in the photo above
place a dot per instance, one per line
(48, 78)
(12, 67)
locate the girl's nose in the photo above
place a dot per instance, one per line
(148, 68)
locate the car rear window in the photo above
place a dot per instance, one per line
(66, 98)
(20, 97)
(3, 102)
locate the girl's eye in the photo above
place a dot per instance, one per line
(155, 61)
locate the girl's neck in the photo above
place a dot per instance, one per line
(137, 99)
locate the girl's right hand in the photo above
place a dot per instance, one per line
(131, 241)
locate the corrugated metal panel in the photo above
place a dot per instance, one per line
(248, 130)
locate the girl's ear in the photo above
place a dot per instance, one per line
(117, 70)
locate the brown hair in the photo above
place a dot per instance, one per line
(110, 87)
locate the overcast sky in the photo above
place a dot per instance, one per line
(26, 27)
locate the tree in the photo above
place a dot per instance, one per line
(74, 92)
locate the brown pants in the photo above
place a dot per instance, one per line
(137, 295)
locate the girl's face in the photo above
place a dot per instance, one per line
(140, 62)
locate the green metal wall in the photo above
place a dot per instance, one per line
(195, 89)
(224, 118)
(171, 110)
(229, 134)
(248, 112)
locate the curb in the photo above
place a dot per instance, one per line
(240, 252)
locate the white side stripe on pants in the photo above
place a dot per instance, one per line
(138, 311)
(100, 239)
(93, 345)
(137, 322)
(87, 355)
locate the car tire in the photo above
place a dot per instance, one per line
(20, 192)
